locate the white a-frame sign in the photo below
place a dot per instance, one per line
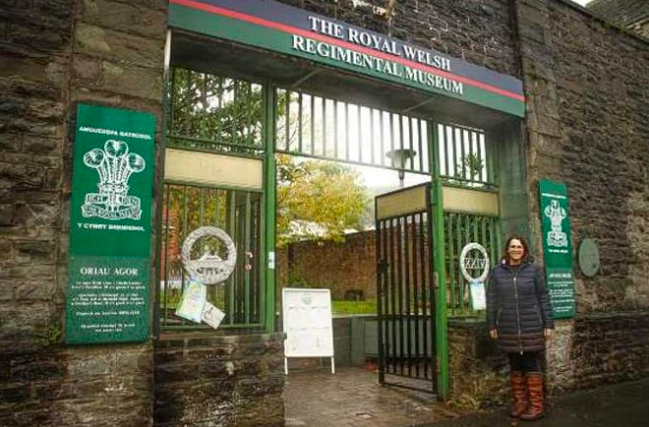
(307, 324)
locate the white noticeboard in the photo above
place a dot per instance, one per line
(307, 324)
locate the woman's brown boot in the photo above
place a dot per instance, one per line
(535, 409)
(519, 394)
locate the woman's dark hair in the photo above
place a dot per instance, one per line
(526, 248)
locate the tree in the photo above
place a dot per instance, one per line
(214, 108)
(470, 165)
(317, 200)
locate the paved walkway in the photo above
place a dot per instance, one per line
(353, 397)
(620, 405)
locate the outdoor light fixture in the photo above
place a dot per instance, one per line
(399, 157)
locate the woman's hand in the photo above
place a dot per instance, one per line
(493, 333)
(547, 333)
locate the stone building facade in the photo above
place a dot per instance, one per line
(56, 54)
(586, 124)
(632, 15)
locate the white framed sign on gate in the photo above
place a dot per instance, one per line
(307, 324)
(474, 258)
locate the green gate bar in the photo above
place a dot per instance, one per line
(441, 324)
(270, 189)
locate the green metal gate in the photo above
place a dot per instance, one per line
(240, 214)
(461, 229)
(405, 289)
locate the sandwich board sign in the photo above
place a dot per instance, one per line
(307, 324)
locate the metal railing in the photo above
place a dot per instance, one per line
(314, 126)
(213, 113)
(465, 157)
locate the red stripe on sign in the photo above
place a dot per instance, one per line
(330, 40)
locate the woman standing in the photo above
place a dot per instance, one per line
(520, 320)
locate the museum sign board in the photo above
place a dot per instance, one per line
(557, 248)
(288, 30)
(109, 262)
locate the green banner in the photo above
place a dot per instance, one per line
(214, 18)
(557, 248)
(107, 297)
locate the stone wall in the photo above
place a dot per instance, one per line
(344, 267)
(97, 386)
(479, 32)
(587, 125)
(54, 54)
(603, 110)
(35, 51)
(587, 111)
(630, 14)
(219, 380)
(479, 372)
(600, 348)
(610, 348)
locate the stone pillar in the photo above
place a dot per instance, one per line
(559, 358)
(55, 54)
(544, 150)
(541, 117)
(210, 380)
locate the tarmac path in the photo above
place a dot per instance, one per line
(620, 405)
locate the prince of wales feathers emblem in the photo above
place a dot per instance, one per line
(114, 165)
(556, 237)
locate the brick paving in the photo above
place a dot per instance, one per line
(353, 397)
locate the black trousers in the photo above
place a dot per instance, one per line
(524, 362)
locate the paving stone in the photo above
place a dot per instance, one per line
(352, 396)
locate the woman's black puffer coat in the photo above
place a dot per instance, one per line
(518, 307)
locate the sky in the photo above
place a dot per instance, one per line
(582, 2)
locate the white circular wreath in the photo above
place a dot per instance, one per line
(465, 252)
(209, 268)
